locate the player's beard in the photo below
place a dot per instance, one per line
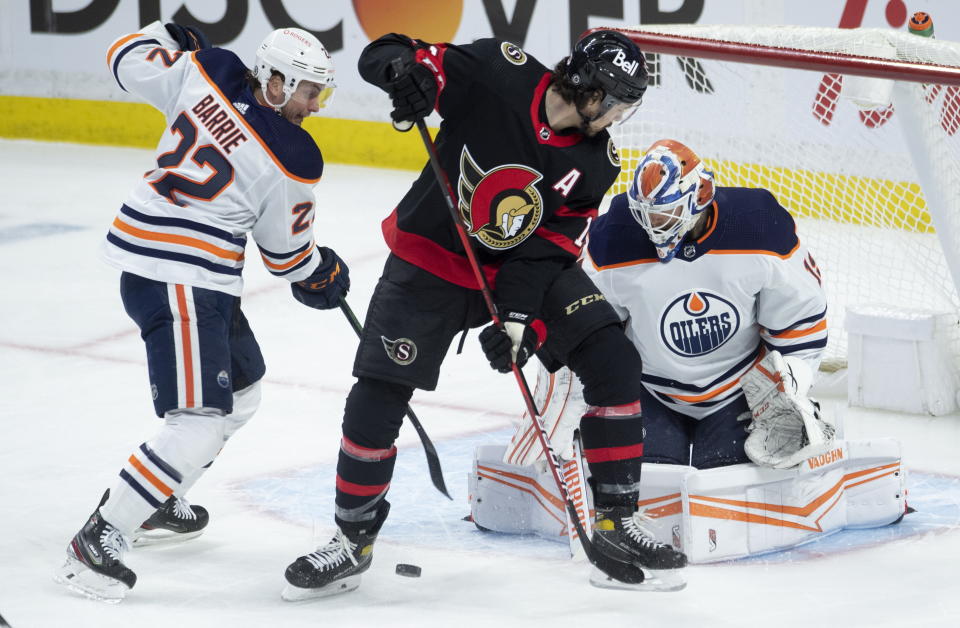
(291, 116)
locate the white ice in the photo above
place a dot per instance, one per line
(75, 403)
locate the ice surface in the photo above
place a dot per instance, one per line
(75, 403)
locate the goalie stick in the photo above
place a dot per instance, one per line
(433, 460)
(624, 572)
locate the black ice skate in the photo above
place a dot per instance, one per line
(620, 533)
(335, 567)
(94, 565)
(177, 520)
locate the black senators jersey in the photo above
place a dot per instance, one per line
(524, 192)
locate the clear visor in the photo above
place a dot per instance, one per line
(617, 111)
(313, 96)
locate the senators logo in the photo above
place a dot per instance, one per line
(500, 207)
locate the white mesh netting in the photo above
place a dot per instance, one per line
(861, 180)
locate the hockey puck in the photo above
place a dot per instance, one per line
(410, 571)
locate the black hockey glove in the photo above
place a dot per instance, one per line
(413, 91)
(189, 38)
(329, 282)
(516, 341)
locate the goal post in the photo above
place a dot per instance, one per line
(855, 131)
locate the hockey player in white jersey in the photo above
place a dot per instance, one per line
(727, 310)
(233, 161)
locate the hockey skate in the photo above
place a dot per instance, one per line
(335, 567)
(177, 520)
(94, 566)
(619, 533)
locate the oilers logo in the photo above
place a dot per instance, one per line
(501, 207)
(697, 323)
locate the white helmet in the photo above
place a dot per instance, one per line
(299, 56)
(670, 190)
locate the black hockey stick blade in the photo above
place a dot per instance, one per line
(433, 459)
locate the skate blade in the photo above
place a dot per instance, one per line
(654, 580)
(81, 579)
(143, 538)
(293, 593)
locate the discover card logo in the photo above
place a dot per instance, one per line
(697, 323)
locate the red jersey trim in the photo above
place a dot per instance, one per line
(565, 242)
(541, 130)
(424, 253)
(432, 59)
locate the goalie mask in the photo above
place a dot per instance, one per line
(298, 56)
(669, 193)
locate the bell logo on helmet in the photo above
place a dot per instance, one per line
(630, 67)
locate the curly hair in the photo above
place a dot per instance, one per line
(568, 91)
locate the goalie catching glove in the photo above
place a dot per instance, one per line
(327, 285)
(786, 427)
(520, 336)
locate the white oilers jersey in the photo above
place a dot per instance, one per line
(226, 166)
(703, 319)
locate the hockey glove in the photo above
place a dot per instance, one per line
(787, 427)
(327, 285)
(189, 38)
(515, 342)
(413, 91)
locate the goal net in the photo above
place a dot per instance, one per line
(854, 131)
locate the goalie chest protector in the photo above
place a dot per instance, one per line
(702, 319)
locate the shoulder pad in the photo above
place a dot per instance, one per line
(295, 150)
(752, 220)
(616, 238)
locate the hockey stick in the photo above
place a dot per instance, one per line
(622, 571)
(433, 460)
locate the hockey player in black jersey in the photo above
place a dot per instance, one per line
(527, 152)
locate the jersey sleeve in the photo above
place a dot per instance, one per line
(792, 308)
(150, 65)
(284, 231)
(454, 68)
(603, 280)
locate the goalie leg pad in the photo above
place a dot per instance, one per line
(745, 510)
(559, 397)
(515, 499)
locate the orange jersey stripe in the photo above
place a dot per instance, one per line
(800, 333)
(145, 472)
(710, 395)
(119, 43)
(713, 393)
(187, 346)
(296, 260)
(249, 128)
(175, 239)
(755, 252)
